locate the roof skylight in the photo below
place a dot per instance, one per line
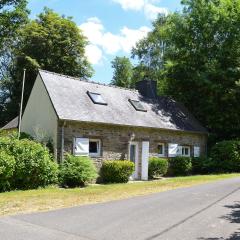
(137, 105)
(96, 98)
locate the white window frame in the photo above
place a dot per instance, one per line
(183, 151)
(98, 154)
(163, 149)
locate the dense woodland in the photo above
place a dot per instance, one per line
(194, 55)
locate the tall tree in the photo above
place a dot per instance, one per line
(13, 15)
(123, 72)
(195, 55)
(50, 42)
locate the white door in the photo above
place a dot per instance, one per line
(133, 157)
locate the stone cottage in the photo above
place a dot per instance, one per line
(107, 122)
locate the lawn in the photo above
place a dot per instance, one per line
(54, 198)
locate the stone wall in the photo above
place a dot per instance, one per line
(115, 139)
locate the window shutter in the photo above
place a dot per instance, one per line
(172, 149)
(81, 146)
(179, 151)
(196, 151)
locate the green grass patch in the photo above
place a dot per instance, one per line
(50, 198)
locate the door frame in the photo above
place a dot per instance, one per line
(136, 171)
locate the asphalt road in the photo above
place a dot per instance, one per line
(205, 212)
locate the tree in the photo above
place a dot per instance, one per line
(50, 42)
(195, 55)
(13, 15)
(123, 72)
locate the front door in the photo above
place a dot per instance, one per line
(133, 157)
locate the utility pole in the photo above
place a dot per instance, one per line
(21, 105)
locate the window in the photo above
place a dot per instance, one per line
(186, 151)
(87, 147)
(161, 150)
(94, 147)
(137, 105)
(96, 98)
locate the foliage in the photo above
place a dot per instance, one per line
(194, 55)
(157, 167)
(34, 166)
(180, 166)
(202, 165)
(13, 14)
(225, 156)
(7, 167)
(123, 71)
(113, 171)
(50, 42)
(76, 171)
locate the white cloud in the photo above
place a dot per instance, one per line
(102, 41)
(94, 54)
(150, 10)
(131, 4)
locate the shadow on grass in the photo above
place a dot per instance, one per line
(232, 217)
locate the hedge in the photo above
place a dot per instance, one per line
(76, 171)
(225, 156)
(116, 171)
(180, 166)
(157, 167)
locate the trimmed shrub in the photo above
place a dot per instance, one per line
(7, 167)
(157, 167)
(34, 166)
(116, 171)
(76, 171)
(225, 156)
(180, 166)
(202, 165)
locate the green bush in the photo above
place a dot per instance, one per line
(225, 156)
(116, 171)
(202, 165)
(34, 166)
(76, 171)
(157, 167)
(7, 167)
(180, 166)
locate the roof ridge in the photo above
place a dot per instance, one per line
(88, 81)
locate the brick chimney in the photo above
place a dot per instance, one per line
(147, 88)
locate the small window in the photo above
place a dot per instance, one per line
(161, 150)
(94, 147)
(96, 98)
(137, 105)
(186, 151)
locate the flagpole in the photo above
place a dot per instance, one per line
(21, 105)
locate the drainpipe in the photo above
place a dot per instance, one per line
(62, 142)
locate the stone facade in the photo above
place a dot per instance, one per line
(115, 139)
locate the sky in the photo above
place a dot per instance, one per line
(112, 27)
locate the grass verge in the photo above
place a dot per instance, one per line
(50, 198)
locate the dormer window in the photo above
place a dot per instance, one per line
(96, 98)
(137, 105)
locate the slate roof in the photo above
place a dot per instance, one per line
(71, 102)
(11, 125)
